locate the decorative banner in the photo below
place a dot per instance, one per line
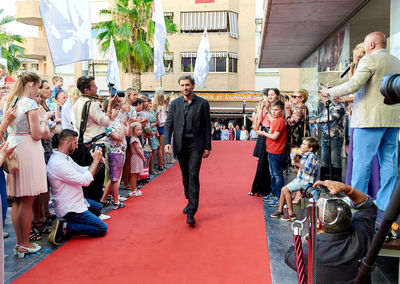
(160, 36)
(113, 71)
(334, 55)
(203, 58)
(68, 30)
(204, 1)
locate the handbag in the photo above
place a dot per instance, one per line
(10, 164)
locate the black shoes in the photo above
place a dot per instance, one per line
(185, 210)
(190, 220)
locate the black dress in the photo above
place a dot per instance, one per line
(262, 180)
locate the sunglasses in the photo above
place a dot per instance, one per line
(295, 97)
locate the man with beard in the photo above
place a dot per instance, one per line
(76, 215)
(189, 121)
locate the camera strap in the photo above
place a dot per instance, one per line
(84, 118)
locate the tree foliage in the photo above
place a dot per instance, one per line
(132, 30)
(10, 47)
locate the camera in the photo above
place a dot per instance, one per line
(314, 192)
(121, 94)
(111, 88)
(390, 89)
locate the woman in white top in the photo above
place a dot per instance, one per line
(30, 180)
(158, 106)
(244, 134)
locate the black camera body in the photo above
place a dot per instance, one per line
(314, 192)
(111, 88)
(390, 89)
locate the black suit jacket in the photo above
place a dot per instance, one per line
(201, 124)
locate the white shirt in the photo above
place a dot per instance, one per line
(66, 180)
(66, 118)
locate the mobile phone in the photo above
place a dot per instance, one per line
(14, 102)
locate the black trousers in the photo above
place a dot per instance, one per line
(190, 161)
(95, 189)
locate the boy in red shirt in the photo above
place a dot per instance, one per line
(276, 139)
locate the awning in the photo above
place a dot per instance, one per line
(198, 21)
(293, 29)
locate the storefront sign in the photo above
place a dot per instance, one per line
(232, 96)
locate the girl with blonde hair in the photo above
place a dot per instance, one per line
(158, 105)
(30, 180)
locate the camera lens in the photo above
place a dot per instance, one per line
(390, 89)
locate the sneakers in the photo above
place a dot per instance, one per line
(118, 205)
(57, 232)
(286, 217)
(104, 217)
(268, 197)
(135, 193)
(274, 202)
(276, 214)
(122, 198)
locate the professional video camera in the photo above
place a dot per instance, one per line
(390, 89)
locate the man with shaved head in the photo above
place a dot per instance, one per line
(376, 125)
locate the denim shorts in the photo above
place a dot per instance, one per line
(295, 185)
(161, 130)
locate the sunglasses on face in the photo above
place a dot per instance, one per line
(294, 97)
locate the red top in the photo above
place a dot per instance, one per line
(277, 146)
(9, 80)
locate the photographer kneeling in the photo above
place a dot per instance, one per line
(341, 245)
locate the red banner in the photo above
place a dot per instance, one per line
(204, 1)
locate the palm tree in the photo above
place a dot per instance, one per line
(132, 30)
(9, 48)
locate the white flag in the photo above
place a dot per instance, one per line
(160, 36)
(203, 58)
(68, 30)
(113, 71)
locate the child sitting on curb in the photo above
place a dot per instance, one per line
(306, 176)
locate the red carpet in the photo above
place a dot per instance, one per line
(149, 242)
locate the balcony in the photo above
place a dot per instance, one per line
(35, 47)
(27, 12)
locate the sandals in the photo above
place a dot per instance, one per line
(34, 236)
(41, 228)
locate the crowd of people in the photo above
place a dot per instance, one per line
(283, 129)
(77, 149)
(73, 150)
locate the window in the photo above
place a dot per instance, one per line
(35, 66)
(233, 62)
(215, 21)
(220, 62)
(169, 62)
(169, 16)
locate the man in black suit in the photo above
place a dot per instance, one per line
(189, 120)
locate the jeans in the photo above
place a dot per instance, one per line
(276, 162)
(190, 158)
(368, 142)
(336, 152)
(86, 223)
(3, 193)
